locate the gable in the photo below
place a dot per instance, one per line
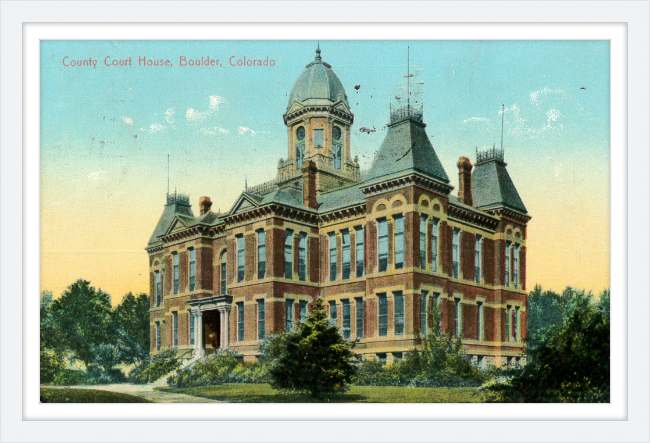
(244, 203)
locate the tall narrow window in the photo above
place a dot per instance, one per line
(240, 321)
(399, 242)
(359, 303)
(300, 154)
(383, 315)
(176, 272)
(515, 274)
(515, 329)
(175, 327)
(158, 288)
(345, 253)
(423, 241)
(224, 272)
(241, 254)
(346, 319)
(455, 252)
(288, 315)
(434, 244)
(302, 257)
(436, 306)
(382, 244)
(479, 320)
(478, 258)
(507, 263)
(333, 314)
(192, 269)
(192, 328)
(508, 322)
(458, 316)
(332, 242)
(399, 312)
(303, 310)
(261, 254)
(288, 253)
(423, 312)
(337, 148)
(360, 252)
(158, 336)
(318, 138)
(261, 320)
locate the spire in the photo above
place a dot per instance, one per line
(318, 58)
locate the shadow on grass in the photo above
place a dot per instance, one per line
(260, 393)
(87, 396)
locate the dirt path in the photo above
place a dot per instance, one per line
(143, 391)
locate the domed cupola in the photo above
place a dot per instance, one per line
(318, 119)
(318, 85)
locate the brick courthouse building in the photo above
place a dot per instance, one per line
(381, 251)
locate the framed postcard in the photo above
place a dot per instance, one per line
(327, 224)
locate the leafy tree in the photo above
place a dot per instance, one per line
(82, 316)
(49, 332)
(130, 328)
(316, 359)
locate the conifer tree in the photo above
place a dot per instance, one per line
(316, 359)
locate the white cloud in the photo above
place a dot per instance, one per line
(215, 101)
(476, 119)
(214, 131)
(244, 130)
(535, 95)
(155, 128)
(169, 116)
(128, 120)
(96, 176)
(193, 116)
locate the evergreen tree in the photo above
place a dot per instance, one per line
(315, 358)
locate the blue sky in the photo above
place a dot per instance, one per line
(106, 131)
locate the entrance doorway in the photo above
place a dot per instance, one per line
(211, 329)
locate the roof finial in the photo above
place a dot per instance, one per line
(318, 51)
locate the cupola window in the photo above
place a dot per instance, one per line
(318, 138)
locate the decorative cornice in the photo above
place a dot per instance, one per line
(331, 109)
(406, 180)
(472, 216)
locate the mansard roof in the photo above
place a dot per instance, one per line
(406, 149)
(177, 206)
(492, 187)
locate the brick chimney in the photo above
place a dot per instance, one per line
(309, 184)
(465, 181)
(205, 204)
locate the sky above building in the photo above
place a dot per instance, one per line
(107, 132)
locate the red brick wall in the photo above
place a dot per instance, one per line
(467, 254)
(370, 321)
(490, 323)
(314, 263)
(169, 272)
(410, 239)
(275, 243)
(184, 260)
(488, 261)
(152, 290)
(446, 233)
(522, 317)
(204, 268)
(249, 254)
(500, 259)
(371, 246)
(470, 321)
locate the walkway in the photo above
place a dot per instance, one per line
(144, 391)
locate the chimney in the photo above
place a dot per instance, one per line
(309, 184)
(465, 181)
(205, 204)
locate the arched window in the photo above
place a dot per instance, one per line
(224, 270)
(337, 156)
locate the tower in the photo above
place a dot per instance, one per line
(318, 120)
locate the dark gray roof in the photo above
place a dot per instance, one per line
(167, 218)
(492, 187)
(285, 196)
(406, 149)
(340, 198)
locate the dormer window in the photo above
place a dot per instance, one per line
(318, 138)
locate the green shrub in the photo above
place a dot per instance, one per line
(93, 376)
(52, 364)
(226, 367)
(156, 367)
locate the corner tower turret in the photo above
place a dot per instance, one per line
(318, 120)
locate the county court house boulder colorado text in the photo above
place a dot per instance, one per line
(382, 251)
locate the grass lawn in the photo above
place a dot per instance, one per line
(65, 395)
(264, 393)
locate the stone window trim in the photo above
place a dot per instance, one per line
(260, 248)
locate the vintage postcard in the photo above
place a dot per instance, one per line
(298, 221)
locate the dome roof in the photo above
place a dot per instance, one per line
(318, 85)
